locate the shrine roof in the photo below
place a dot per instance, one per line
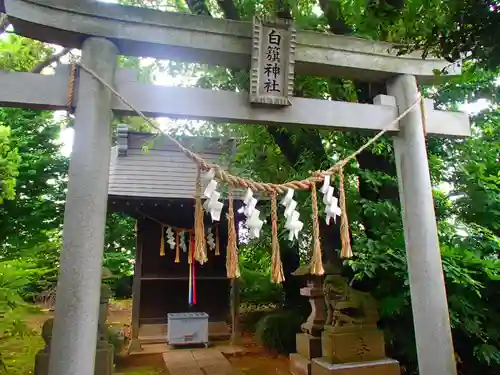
(149, 166)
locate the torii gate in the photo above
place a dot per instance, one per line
(103, 31)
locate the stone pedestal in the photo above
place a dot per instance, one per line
(351, 343)
(308, 346)
(134, 346)
(344, 347)
(321, 366)
(299, 365)
(103, 361)
(353, 351)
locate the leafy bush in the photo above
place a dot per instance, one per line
(277, 330)
(250, 318)
(15, 276)
(256, 288)
(122, 287)
(472, 286)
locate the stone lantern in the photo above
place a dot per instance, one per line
(308, 343)
(104, 361)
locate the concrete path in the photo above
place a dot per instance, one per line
(197, 362)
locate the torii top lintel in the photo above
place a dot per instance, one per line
(166, 35)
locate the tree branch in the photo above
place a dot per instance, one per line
(283, 9)
(50, 60)
(333, 14)
(229, 10)
(284, 142)
(198, 7)
(4, 23)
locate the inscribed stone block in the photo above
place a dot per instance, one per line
(353, 346)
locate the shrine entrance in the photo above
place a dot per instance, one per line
(102, 31)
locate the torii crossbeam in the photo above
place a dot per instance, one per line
(103, 31)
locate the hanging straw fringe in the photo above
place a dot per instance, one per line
(232, 264)
(217, 245)
(424, 117)
(344, 222)
(316, 260)
(200, 248)
(277, 275)
(177, 248)
(162, 244)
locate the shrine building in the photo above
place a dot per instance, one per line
(152, 181)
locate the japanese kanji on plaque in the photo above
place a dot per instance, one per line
(273, 49)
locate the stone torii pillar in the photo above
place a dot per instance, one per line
(74, 335)
(428, 294)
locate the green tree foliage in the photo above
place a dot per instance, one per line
(454, 29)
(15, 277)
(9, 164)
(34, 175)
(467, 211)
(27, 220)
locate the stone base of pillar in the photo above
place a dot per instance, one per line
(321, 366)
(299, 365)
(134, 346)
(103, 361)
(308, 347)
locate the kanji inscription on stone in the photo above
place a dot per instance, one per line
(273, 50)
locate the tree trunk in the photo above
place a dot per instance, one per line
(290, 257)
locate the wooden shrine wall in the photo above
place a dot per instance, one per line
(164, 283)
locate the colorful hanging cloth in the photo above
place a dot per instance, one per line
(192, 273)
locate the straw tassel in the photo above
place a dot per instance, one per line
(162, 239)
(277, 275)
(232, 265)
(344, 222)
(200, 248)
(217, 245)
(316, 259)
(424, 116)
(177, 248)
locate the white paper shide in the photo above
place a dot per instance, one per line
(212, 204)
(253, 221)
(292, 224)
(332, 209)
